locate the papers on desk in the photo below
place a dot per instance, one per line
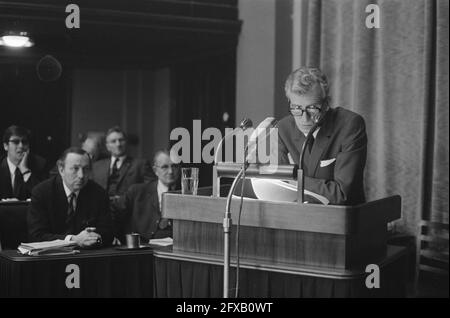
(13, 201)
(286, 191)
(167, 241)
(56, 247)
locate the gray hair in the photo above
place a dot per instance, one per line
(158, 152)
(302, 80)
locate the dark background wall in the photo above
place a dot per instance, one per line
(122, 67)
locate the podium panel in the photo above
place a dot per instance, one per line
(342, 237)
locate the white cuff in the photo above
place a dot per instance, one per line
(68, 238)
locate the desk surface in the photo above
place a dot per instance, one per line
(105, 272)
(15, 256)
(393, 253)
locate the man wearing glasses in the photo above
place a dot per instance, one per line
(334, 161)
(20, 171)
(141, 205)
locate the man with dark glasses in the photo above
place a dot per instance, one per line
(20, 171)
(334, 160)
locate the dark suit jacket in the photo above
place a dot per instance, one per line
(140, 211)
(36, 164)
(342, 137)
(132, 171)
(48, 211)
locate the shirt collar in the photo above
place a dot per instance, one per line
(68, 192)
(12, 167)
(121, 159)
(162, 187)
(314, 133)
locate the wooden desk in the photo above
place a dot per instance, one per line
(103, 273)
(179, 274)
(13, 223)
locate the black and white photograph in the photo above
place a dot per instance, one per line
(224, 155)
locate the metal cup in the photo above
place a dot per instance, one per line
(133, 240)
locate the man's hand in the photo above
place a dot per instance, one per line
(163, 223)
(87, 238)
(23, 163)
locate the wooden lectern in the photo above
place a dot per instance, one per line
(341, 237)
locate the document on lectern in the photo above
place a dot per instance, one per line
(285, 191)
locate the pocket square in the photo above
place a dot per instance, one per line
(324, 163)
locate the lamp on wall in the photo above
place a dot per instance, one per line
(16, 39)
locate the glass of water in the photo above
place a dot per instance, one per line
(189, 181)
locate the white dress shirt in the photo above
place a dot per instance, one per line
(120, 161)
(314, 133)
(161, 189)
(12, 170)
(68, 192)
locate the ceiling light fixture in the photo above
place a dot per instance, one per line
(16, 39)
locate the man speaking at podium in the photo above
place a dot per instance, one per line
(335, 157)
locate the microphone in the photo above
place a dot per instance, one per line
(244, 125)
(262, 131)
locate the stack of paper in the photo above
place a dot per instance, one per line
(162, 242)
(279, 190)
(56, 247)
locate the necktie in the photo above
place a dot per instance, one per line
(71, 208)
(18, 183)
(310, 144)
(115, 167)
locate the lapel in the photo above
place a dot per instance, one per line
(104, 173)
(124, 169)
(298, 139)
(321, 142)
(61, 204)
(82, 211)
(153, 195)
(6, 179)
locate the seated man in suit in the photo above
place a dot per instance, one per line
(141, 205)
(70, 206)
(334, 161)
(118, 172)
(20, 170)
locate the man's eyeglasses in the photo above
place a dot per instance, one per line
(312, 110)
(18, 141)
(166, 167)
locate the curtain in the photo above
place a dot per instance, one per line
(396, 77)
(204, 89)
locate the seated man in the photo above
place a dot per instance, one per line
(70, 206)
(118, 172)
(141, 206)
(20, 170)
(334, 161)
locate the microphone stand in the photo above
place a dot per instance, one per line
(226, 232)
(227, 227)
(245, 124)
(227, 222)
